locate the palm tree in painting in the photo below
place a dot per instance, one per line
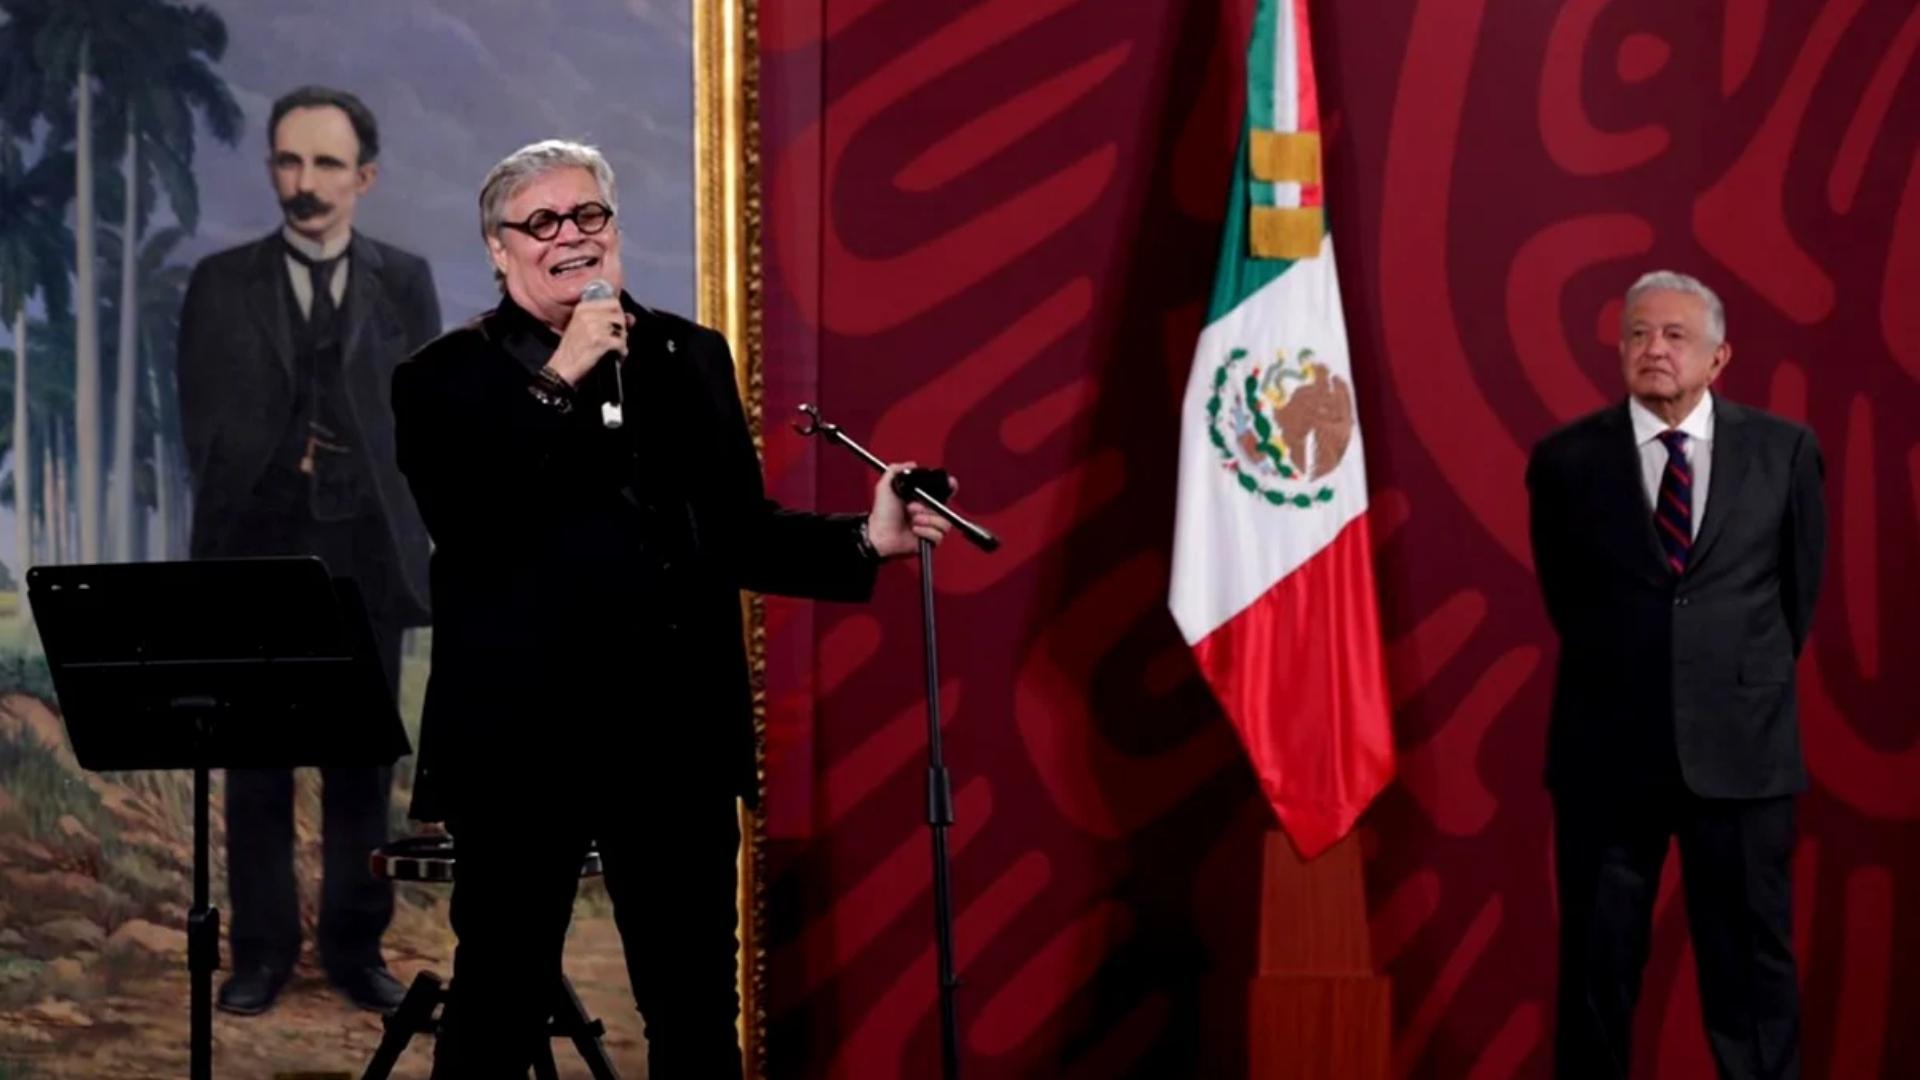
(63, 54)
(154, 463)
(154, 94)
(34, 259)
(149, 64)
(45, 462)
(34, 253)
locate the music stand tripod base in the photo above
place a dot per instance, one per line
(431, 859)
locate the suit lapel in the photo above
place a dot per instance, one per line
(1623, 496)
(1729, 473)
(659, 381)
(268, 301)
(366, 301)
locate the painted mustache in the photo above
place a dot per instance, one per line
(305, 205)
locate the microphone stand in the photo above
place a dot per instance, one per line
(912, 487)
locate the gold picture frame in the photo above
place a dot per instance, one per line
(727, 262)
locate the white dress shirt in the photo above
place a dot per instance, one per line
(1653, 453)
(302, 279)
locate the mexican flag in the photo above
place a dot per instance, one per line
(1272, 561)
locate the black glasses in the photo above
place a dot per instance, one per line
(589, 218)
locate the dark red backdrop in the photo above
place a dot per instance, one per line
(991, 231)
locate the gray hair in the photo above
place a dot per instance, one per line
(520, 168)
(1671, 281)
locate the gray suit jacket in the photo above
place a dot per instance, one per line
(236, 386)
(1699, 666)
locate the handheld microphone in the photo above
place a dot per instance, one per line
(610, 411)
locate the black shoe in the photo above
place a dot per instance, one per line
(252, 989)
(371, 987)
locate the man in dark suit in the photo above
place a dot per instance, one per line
(287, 348)
(589, 677)
(1678, 539)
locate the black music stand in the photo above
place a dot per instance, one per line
(223, 663)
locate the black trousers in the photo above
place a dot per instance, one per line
(355, 906)
(1735, 860)
(278, 518)
(668, 845)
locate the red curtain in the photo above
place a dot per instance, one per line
(991, 229)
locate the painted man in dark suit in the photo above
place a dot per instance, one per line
(1678, 539)
(287, 347)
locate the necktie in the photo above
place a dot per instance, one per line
(1673, 506)
(319, 368)
(322, 314)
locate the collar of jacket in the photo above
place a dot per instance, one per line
(523, 337)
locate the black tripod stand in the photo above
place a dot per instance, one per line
(431, 859)
(931, 487)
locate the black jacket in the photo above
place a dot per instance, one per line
(1697, 669)
(236, 391)
(586, 582)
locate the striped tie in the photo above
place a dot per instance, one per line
(1673, 507)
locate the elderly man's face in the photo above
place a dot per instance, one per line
(1667, 351)
(316, 173)
(545, 277)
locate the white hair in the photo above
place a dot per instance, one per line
(518, 169)
(1672, 281)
